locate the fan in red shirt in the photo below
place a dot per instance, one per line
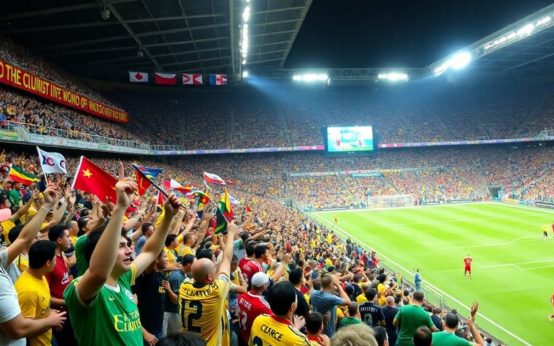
(467, 266)
(58, 279)
(252, 304)
(261, 254)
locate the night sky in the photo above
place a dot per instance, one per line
(398, 33)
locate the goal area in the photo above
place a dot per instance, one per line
(390, 201)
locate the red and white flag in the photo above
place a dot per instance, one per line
(192, 79)
(211, 178)
(165, 78)
(218, 79)
(138, 77)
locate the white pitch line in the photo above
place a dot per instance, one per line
(518, 263)
(438, 290)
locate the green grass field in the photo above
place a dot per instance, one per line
(513, 266)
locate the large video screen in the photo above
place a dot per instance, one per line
(349, 139)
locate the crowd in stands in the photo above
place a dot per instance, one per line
(105, 274)
(285, 116)
(49, 119)
(16, 54)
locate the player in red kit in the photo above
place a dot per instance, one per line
(467, 266)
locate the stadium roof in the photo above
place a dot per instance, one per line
(98, 38)
(104, 39)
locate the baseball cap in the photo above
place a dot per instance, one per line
(259, 279)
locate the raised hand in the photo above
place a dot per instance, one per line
(171, 205)
(474, 309)
(50, 195)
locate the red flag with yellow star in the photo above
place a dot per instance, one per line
(91, 178)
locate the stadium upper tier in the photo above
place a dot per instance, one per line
(266, 114)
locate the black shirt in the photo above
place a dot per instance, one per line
(371, 314)
(151, 295)
(302, 308)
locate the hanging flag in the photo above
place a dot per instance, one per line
(91, 178)
(51, 162)
(192, 79)
(17, 174)
(218, 79)
(211, 178)
(138, 77)
(165, 78)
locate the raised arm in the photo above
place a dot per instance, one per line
(105, 253)
(225, 266)
(31, 229)
(155, 243)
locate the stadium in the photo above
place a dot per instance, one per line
(275, 172)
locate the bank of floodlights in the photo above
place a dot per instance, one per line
(394, 76)
(457, 61)
(523, 31)
(244, 32)
(311, 77)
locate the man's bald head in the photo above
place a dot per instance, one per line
(202, 269)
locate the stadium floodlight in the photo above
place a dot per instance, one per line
(526, 30)
(394, 76)
(460, 60)
(246, 14)
(543, 21)
(311, 77)
(245, 74)
(243, 43)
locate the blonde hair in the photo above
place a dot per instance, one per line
(354, 335)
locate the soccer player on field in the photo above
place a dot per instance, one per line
(202, 301)
(467, 266)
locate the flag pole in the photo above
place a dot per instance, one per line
(162, 191)
(41, 166)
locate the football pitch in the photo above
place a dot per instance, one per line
(513, 266)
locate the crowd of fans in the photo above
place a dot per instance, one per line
(14, 53)
(76, 270)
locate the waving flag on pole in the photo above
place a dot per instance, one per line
(224, 213)
(143, 175)
(51, 162)
(93, 179)
(211, 178)
(17, 174)
(172, 184)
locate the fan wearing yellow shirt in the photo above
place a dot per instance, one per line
(32, 288)
(186, 248)
(171, 253)
(202, 300)
(281, 328)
